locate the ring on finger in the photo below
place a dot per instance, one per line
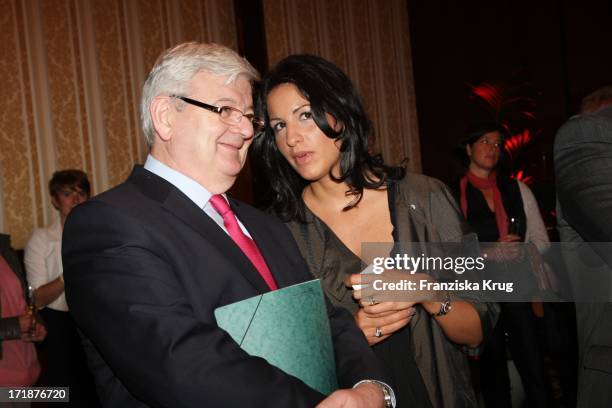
(378, 332)
(373, 301)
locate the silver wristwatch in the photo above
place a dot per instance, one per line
(388, 393)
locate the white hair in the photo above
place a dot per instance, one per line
(176, 66)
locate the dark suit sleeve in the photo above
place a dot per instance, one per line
(127, 300)
(355, 360)
(583, 164)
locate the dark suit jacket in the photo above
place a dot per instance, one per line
(583, 162)
(145, 269)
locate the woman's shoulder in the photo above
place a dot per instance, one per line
(523, 188)
(527, 195)
(420, 183)
(430, 200)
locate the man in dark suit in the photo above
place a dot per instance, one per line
(583, 164)
(148, 262)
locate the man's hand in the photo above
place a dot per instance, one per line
(363, 396)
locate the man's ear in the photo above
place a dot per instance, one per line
(468, 150)
(161, 110)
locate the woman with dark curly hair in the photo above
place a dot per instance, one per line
(334, 195)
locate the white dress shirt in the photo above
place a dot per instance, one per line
(43, 260)
(191, 188)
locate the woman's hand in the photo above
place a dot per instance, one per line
(380, 321)
(512, 251)
(383, 318)
(510, 238)
(26, 322)
(38, 333)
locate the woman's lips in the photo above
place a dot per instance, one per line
(302, 157)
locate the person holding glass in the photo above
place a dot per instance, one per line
(19, 326)
(501, 209)
(43, 262)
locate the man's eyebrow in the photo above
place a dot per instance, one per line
(225, 100)
(230, 100)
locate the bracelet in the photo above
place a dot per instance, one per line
(445, 306)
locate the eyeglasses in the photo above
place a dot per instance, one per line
(228, 114)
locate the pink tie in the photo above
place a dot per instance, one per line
(242, 240)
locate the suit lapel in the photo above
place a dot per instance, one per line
(180, 206)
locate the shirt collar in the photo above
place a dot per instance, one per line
(191, 188)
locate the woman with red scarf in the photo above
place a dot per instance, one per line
(500, 209)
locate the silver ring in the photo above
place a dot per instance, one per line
(378, 332)
(372, 301)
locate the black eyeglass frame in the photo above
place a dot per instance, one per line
(258, 123)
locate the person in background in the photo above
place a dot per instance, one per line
(500, 209)
(19, 327)
(583, 171)
(43, 263)
(334, 195)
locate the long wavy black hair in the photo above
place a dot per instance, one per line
(329, 90)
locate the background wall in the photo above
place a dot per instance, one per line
(559, 48)
(72, 71)
(369, 40)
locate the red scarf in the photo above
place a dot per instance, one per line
(501, 217)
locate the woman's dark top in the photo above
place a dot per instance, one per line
(482, 219)
(421, 210)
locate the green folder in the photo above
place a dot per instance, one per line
(288, 327)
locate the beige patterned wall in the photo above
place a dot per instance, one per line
(71, 74)
(369, 40)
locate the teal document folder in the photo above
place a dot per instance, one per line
(288, 327)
